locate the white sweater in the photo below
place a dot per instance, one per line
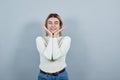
(52, 53)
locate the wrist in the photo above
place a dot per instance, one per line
(50, 35)
(54, 35)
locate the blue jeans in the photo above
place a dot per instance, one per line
(61, 76)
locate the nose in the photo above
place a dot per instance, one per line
(53, 25)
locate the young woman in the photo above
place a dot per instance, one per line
(53, 49)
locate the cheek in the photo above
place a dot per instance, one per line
(58, 27)
(48, 26)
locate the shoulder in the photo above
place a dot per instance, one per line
(67, 38)
(39, 38)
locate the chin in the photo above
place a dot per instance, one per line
(53, 31)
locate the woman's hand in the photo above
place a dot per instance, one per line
(49, 33)
(57, 32)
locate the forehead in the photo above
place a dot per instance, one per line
(53, 19)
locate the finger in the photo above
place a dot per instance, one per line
(59, 30)
(45, 28)
(64, 26)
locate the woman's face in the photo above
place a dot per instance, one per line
(53, 24)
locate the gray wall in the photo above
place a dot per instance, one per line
(93, 26)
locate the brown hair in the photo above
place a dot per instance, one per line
(55, 16)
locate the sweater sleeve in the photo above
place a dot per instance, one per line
(63, 49)
(45, 51)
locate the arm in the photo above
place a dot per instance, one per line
(45, 51)
(63, 49)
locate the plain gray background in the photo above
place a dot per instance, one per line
(93, 25)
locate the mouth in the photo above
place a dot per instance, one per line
(52, 29)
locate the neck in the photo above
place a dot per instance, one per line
(55, 36)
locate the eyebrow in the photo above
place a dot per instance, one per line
(49, 20)
(54, 21)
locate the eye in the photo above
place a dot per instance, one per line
(49, 22)
(56, 22)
